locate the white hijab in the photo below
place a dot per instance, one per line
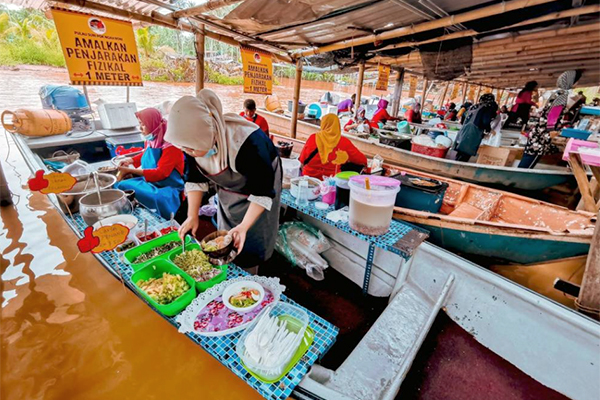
(199, 123)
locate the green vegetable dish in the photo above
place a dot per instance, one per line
(164, 290)
(155, 252)
(245, 298)
(195, 263)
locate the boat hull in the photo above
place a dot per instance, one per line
(516, 249)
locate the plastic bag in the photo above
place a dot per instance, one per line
(301, 244)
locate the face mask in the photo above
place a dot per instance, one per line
(149, 138)
(210, 153)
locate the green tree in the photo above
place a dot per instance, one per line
(21, 28)
(146, 40)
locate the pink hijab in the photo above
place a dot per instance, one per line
(382, 105)
(156, 125)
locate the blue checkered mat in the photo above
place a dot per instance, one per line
(398, 229)
(223, 347)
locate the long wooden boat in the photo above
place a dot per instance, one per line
(501, 225)
(505, 178)
(497, 224)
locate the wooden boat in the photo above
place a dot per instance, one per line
(502, 225)
(497, 224)
(505, 178)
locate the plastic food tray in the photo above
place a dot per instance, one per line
(155, 269)
(223, 347)
(200, 286)
(132, 254)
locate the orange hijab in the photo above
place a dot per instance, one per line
(329, 136)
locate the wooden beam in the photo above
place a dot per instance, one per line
(492, 10)
(476, 99)
(199, 45)
(424, 98)
(443, 98)
(464, 93)
(209, 5)
(297, 84)
(359, 84)
(470, 32)
(589, 295)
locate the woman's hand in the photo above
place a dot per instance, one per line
(126, 162)
(129, 170)
(190, 224)
(239, 237)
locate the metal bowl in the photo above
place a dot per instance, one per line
(85, 184)
(114, 202)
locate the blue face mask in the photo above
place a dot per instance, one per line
(210, 153)
(149, 138)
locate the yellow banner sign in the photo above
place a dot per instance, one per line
(258, 70)
(412, 86)
(383, 77)
(98, 50)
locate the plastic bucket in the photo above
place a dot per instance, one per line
(342, 188)
(429, 151)
(371, 209)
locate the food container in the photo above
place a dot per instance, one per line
(84, 185)
(119, 249)
(236, 288)
(297, 321)
(419, 193)
(220, 253)
(399, 141)
(200, 286)
(130, 221)
(114, 202)
(314, 187)
(291, 169)
(167, 227)
(284, 148)
(342, 189)
(155, 269)
(131, 255)
(439, 152)
(371, 209)
(146, 236)
(109, 169)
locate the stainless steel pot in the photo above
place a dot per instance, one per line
(85, 184)
(114, 202)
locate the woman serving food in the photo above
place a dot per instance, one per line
(237, 157)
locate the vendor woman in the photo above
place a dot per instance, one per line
(381, 115)
(327, 151)
(237, 157)
(158, 171)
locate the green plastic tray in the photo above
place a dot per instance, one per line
(309, 336)
(200, 286)
(155, 269)
(132, 254)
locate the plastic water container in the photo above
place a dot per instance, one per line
(342, 188)
(291, 169)
(371, 209)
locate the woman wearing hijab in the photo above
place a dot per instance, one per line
(462, 113)
(159, 169)
(381, 115)
(477, 123)
(539, 140)
(237, 157)
(451, 113)
(523, 104)
(360, 120)
(414, 114)
(326, 151)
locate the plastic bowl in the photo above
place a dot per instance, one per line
(314, 187)
(220, 253)
(155, 269)
(297, 321)
(201, 286)
(235, 288)
(128, 220)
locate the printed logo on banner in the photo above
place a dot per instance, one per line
(258, 71)
(98, 51)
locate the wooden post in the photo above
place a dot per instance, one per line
(444, 94)
(424, 98)
(199, 44)
(500, 94)
(476, 99)
(464, 93)
(359, 85)
(583, 182)
(398, 92)
(297, 84)
(588, 301)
